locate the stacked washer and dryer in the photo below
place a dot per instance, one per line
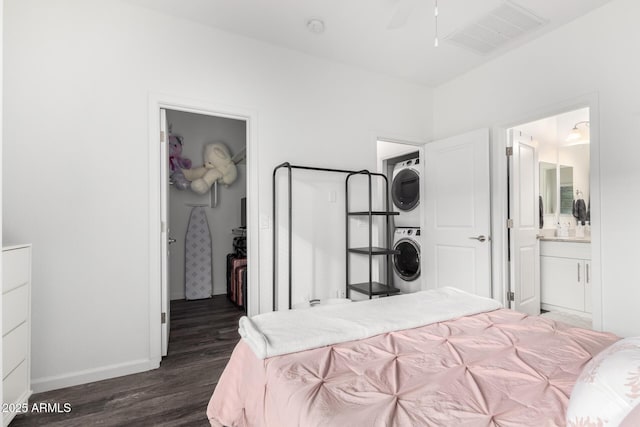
(405, 194)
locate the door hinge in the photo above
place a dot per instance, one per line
(509, 151)
(163, 318)
(509, 223)
(162, 136)
(511, 296)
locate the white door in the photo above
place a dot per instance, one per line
(457, 246)
(164, 233)
(524, 191)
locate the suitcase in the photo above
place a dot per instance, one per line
(244, 288)
(241, 286)
(236, 291)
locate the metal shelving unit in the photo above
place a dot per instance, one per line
(369, 287)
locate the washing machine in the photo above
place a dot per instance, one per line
(405, 193)
(406, 264)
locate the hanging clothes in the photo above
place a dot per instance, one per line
(541, 209)
(198, 283)
(580, 211)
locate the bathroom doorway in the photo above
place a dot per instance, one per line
(550, 225)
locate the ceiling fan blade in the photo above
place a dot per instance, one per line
(402, 13)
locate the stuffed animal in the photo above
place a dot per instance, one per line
(218, 166)
(177, 163)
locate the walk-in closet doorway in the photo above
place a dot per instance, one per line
(202, 180)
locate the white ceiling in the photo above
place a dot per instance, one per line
(356, 30)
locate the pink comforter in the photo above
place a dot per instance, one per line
(500, 368)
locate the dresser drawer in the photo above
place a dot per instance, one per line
(15, 268)
(15, 385)
(14, 348)
(15, 305)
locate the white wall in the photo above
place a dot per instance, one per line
(199, 130)
(78, 75)
(591, 54)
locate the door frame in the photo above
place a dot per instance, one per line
(159, 101)
(499, 206)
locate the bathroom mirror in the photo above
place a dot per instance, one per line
(548, 187)
(554, 192)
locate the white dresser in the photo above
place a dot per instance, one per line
(16, 327)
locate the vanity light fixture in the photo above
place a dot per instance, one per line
(577, 134)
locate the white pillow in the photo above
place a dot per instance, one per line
(608, 388)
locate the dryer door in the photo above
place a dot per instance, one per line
(407, 262)
(405, 189)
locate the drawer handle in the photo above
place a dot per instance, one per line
(578, 272)
(587, 272)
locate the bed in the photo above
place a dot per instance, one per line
(434, 358)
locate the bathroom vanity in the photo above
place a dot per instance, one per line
(565, 274)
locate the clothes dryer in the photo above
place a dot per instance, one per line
(405, 193)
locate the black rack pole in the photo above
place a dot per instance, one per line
(389, 242)
(370, 237)
(290, 228)
(347, 292)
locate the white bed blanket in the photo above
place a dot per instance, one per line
(282, 332)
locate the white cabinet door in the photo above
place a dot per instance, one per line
(562, 282)
(457, 247)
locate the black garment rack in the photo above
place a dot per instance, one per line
(370, 251)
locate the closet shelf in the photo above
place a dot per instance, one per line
(374, 251)
(377, 288)
(378, 213)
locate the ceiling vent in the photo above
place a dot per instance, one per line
(496, 29)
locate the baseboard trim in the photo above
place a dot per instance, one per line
(174, 297)
(40, 385)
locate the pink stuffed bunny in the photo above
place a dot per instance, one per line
(177, 162)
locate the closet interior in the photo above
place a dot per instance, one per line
(207, 207)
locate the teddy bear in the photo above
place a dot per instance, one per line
(218, 166)
(177, 163)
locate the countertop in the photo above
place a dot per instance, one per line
(566, 239)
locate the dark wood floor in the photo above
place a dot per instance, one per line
(203, 335)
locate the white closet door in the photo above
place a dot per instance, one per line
(524, 211)
(457, 246)
(164, 217)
